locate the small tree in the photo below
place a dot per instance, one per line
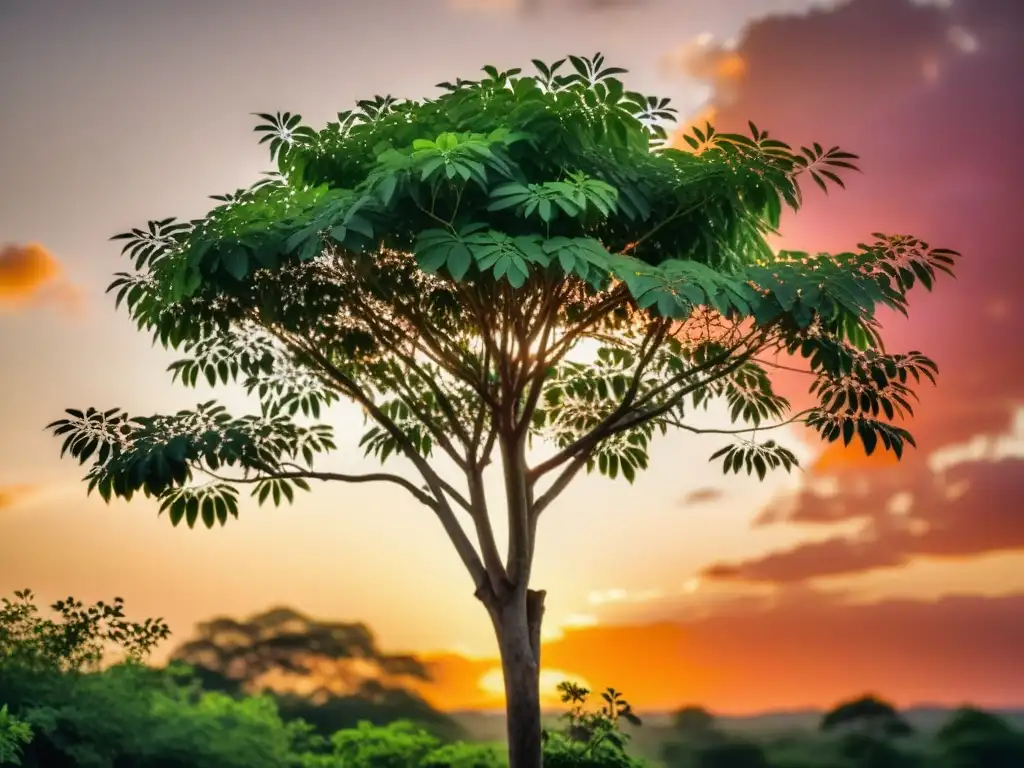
(441, 263)
(78, 641)
(350, 670)
(694, 723)
(970, 722)
(692, 727)
(973, 738)
(868, 715)
(868, 727)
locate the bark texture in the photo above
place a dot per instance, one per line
(517, 623)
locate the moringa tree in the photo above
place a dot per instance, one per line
(442, 263)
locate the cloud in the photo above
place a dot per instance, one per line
(484, 5)
(31, 276)
(533, 7)
(618, 595)
(928, 96)
(723, 69)
(702, 496)
(10, 495)
(971, 509)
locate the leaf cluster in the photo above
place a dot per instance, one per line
(78, 639)
(438, 261)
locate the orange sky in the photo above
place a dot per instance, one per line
(853, 574)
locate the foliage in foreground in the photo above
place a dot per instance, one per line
(14, 735)
(58, 712)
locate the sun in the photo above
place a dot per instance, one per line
(493, 683)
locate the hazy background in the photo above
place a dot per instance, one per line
(855, 574)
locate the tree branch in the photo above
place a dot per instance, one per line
(560, 484)
(436, 432)
(617, 295)
(446, 361)
(609, 429)
(655, 340)
(485, 535)
(794, 419)
(548, 315)
(463, 545)
(679, 212)
(730, 353)
(370, 477)
(642, 417)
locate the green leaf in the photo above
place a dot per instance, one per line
(208, 511)
(236, 262)
(177, 511)
(459, 260)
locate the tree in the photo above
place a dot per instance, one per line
(869, 715)
(691, 727)
(50, 679)
(400, 744)
(78, 641)
(329, 674)
(520, 259)
(694, 723)
(868, 725)
(973, 738)
(968, 722)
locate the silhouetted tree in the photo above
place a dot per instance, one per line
(695, 725)
(285, 641)
(867, 726)
(973, 738)
(439, 263)
(969, 722)
(329, 674)
(692, 721)
(691, 727)
(869, 715)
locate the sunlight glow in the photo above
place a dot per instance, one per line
(600, 597)
(493, 682)
(552, 631)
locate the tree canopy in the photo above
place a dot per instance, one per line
(436, 261)
(868, 714)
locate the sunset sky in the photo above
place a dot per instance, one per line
(852, 575)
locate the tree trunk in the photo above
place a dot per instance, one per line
(517, 624)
